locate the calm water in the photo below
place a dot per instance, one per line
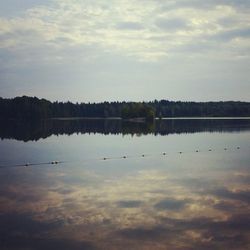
(192, 200)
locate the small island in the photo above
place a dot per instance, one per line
(138, 112)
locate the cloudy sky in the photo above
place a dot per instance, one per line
(96, 50)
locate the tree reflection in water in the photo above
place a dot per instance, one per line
(36, 129)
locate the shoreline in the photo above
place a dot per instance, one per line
(141, 119)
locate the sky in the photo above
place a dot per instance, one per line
(132, 50)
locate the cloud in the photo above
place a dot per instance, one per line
(170, 204)
(129, 204)
(204, 5)
(14, 7)
(232, 34)
(129, 26)
(21, 231)
(90, 43)
(171, 24)
(227, 194)
(143, 233)
(123, 28)
(85, 205)
(198, 233)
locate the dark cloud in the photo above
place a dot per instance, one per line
(240, 222)
(227, 194)
(214, 234)
(171, 24)
(129, 204)
(228, 22)
(23, 223)
(205, 5)
(12, 7)
(231, 34)
(238, 3)
(231, 207)
(171, 204)
(18, 231)
(196, 184)
(63, 190)
(17, 242)
(195, 48)
(143, 233)
(129, 26)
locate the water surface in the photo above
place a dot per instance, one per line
(148, 200)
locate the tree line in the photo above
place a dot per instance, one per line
(34, 108)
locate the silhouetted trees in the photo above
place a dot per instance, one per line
(138, 110)
(27, 108)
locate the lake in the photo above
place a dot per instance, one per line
(171, 184)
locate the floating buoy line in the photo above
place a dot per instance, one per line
(56, 162)
(28, 164)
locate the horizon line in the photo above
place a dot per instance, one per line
(127, 101)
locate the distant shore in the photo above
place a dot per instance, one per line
(28, 108)
(156, 118)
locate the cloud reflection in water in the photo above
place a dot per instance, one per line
(149, 209)
(188, 201)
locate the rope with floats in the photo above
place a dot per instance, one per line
(56, 162)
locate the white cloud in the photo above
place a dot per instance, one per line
(125, 27)
(100, 50)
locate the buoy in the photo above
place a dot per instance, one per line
(230, 148)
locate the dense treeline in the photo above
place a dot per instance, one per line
(138, 110)
(34, 108)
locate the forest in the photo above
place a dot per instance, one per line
(27, 108)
